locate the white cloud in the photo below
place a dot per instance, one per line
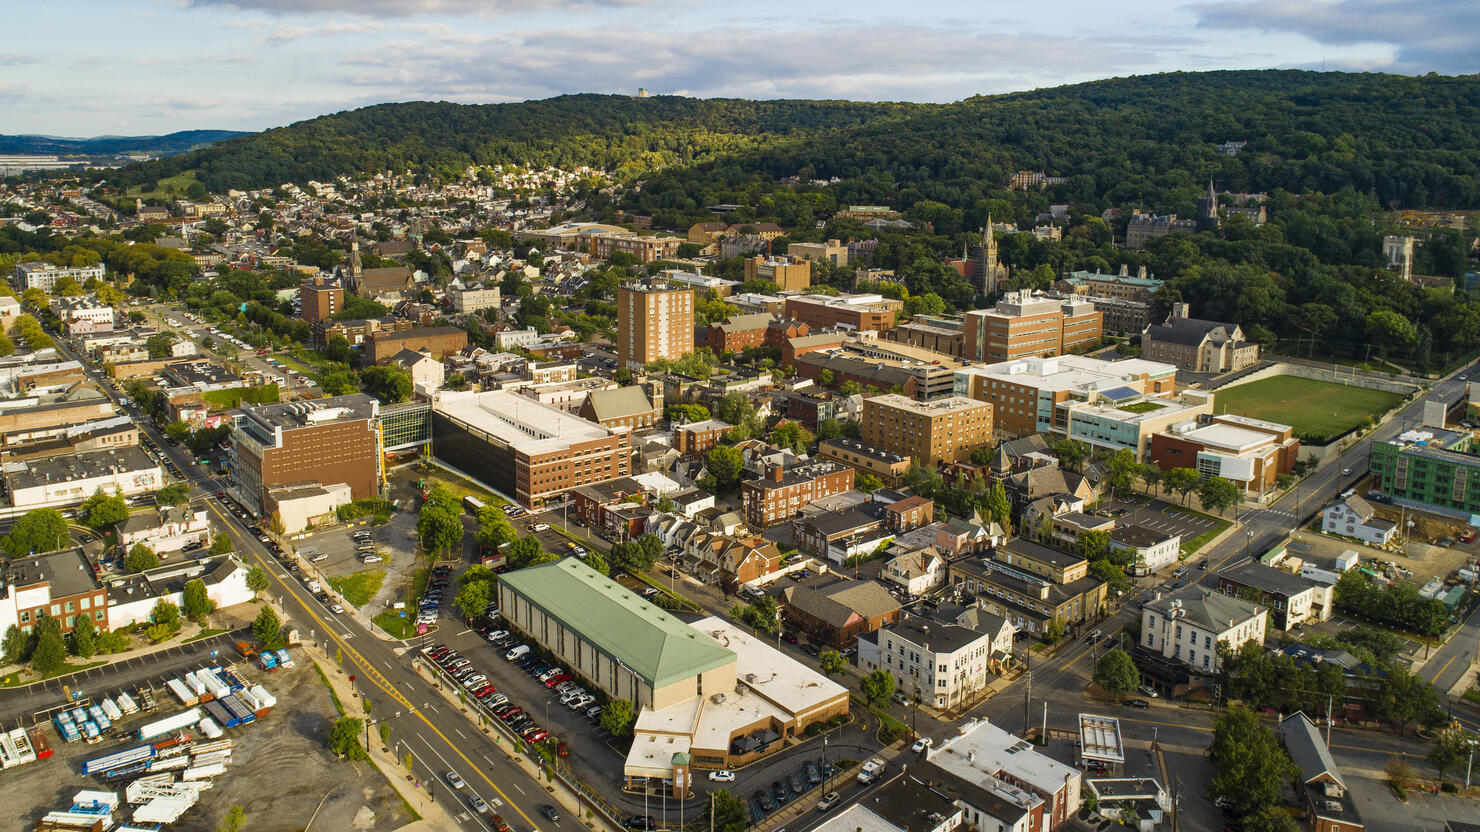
(1437, 35)
(406, 8)
(919, 63)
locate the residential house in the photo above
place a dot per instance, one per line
(1292, 600)
(840, 535)
(167, 529)
(916, 572)
(1180, 634)
(1150, 549)
(1329, 805)
(782, 493)
(836, 613)
(1030, 602)
(945, 665)
(1354, 517)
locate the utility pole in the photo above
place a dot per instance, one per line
(1028, 689)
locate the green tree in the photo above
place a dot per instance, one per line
(1249, 767)
(877, 687)
(166, 613)
(197, 602)
(793, 435)
(159, 345)
(103, 511)
(222, 545)
(831, 662)
(1181, 481)
(84, 637)
(177, 432)
(494, 528)
(724, 464)
(140, 559)
(1054, 630)
(729, 812)
(257, 581)
(50, 653)
(1094, 544)
(337, 350)
(1123, 469)
(235, 820)
(341, 382)
(523, 552)
(344, 738)
(38, 530)
(391, 383)
(473, 598)
(597, 561)
(763, 615)
(268, 628)
(1071, 453)
(1217, 494)
(867, 483)
(618, 717)
(174, 494)
(1116, 674)
(439, 527)
(1150, 476)
(15, 647)
(1451, 748)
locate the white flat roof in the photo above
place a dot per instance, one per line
(1099, 739)
(995, 750)
(651, 755)
(1071, 372)
(523, 423)
(770, 674)
(1229, 437)
(856, 818)
(1252, 422)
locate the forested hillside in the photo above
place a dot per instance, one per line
(1149, 142)
(104, 145)
(633, 135)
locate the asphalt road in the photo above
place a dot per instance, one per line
(438, 735)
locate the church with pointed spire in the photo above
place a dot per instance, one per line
(983, 270)
(1207, 210)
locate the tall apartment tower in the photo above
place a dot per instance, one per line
(655, 319)
(319, 299)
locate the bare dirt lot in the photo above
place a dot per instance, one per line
(279, 775)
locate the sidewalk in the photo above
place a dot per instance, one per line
(433, 815)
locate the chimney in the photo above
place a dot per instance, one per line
(775, 472)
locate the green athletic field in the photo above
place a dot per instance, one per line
(1319, 411)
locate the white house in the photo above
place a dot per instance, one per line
(169, 529)
(1354, 517)
(131, 598)
(947, 664)
(1153, 550)
(1187, 626)
(987, 755)
(916, 572)
(426, 372)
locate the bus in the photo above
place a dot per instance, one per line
(472, 504)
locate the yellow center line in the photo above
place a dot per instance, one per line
(379, 680)
(1442, 669)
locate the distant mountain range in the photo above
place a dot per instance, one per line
(167, 145)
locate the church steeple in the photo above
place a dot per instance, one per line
(355, 267)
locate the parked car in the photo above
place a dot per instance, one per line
(479, 804)
(1136, 703)
(722, 776)
(1148, 690)
(922, 744)
(550, 813)
(828, 801)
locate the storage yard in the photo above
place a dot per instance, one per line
(177, 753)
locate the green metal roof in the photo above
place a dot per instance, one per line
(655, 645)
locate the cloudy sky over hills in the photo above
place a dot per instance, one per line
(90, 67)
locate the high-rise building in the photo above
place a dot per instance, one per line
(319, 299)
(655, 319)
(944, 430)
(1026, 324)
(327, 441)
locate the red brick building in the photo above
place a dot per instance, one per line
(909, 513)
(856, 311)
(439, 340)
(697, 438)
(780, 494)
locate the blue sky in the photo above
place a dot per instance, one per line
(92, 67)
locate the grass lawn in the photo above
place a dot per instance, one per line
(359, 587)
(392, 622)
(1319, 411)
(206, 633)
(11, 680)
(169, 187)
(459, 486)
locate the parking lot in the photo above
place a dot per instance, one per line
(1162, 516)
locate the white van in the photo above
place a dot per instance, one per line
(517, 652)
